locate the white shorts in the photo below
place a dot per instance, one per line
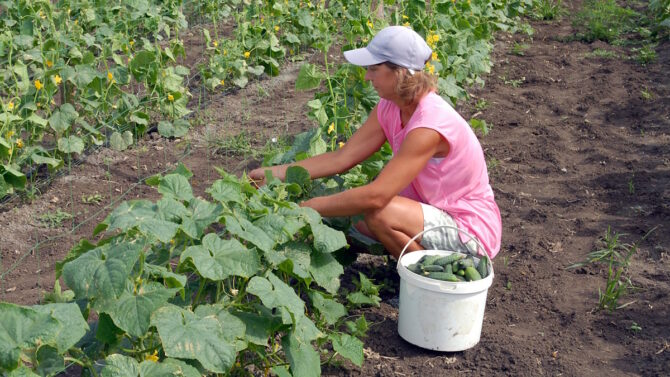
(447, 237)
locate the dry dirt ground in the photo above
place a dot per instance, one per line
(579, 145)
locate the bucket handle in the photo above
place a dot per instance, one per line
(433, 228)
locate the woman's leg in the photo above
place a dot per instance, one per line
(395, 224)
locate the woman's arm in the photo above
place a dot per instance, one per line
(362, 144)
(418, 147)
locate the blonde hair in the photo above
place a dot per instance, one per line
(411, 87)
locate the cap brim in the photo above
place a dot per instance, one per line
(361, 57)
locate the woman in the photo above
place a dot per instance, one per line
(437, 175)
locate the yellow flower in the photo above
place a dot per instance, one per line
(38, 85)
(370, 24)
(110, 76)
(215, 43)
(10, 106)
(433, 56)
(19, 143)
(331, 128)
(406, 24)
(131, 43)
(429, 39)
(9, 134)
(57, 79)
(222, 82)
(341, 144)
(49, 63)
(404, 17)
(170, 97)
(153, 357)
(436, 38)
(246, 54)
(225, 52)
(431, 68)
(276, 28)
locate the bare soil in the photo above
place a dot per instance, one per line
(579, 144)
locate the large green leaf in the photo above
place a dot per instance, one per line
(71, 144)
(13, 176)
(61, 120)
(175, 186)
(22, 328)
(187, 336)
(49, 360)
(54, 163)
(326, 271)
(167, 368)
(247, 231)
(308, 78)
(258, 327)
(171, 279)
(132, 311)
(73, 326)
(298, 253)
(121, 141)
(274, 293)
(279, 228)
(349, 347)
(216, 259)
(301, 355)
(201, 214)
(330, 310)
(120, 366)
(178, 128)
(234, 329)
(102, 272)
(225, 190)
(143, 215)
(327, 239)
(22, 371)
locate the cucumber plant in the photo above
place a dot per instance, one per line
(196, 287)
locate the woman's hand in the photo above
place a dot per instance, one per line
(258, 175)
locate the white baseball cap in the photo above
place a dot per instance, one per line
(399, 45)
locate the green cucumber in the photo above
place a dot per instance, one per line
(415, 267)
(471, 274)
(442, 261)
(432, 268)
(430, 259)
(467, 262)
(445, 276)
(483, 266)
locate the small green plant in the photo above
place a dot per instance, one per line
(602, 53)
(481, 104)
(239, 144)
(91, 199)
(604, 20)
(645, 54)
(54, 219)
(515, 83)
(646, 94)
(492, 163)
(548, 9)
(634, 327)
(631, 185)
(519, 49)
(480, 125)
(616, 256)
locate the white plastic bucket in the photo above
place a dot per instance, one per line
(440, 315)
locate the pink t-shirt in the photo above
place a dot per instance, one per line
(458, 183)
